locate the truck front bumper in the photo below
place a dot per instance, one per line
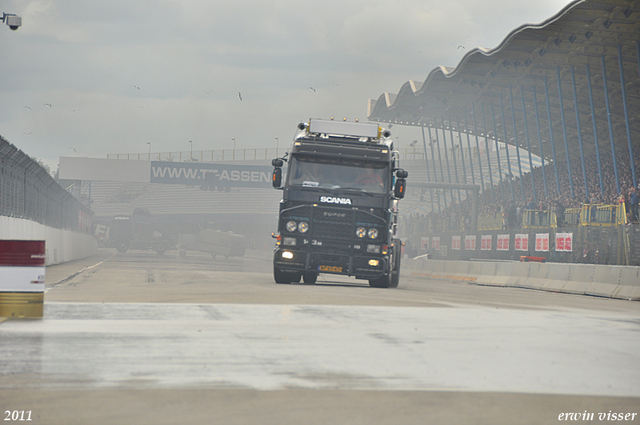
(360, 266)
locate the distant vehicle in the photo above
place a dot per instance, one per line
(216, 242)
(146, 231)
(339, 208)
(138, 231)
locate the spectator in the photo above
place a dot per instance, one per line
(559, 213)
(634, 199)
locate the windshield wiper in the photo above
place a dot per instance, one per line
(316, 188)
(358, 191)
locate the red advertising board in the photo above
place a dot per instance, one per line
(503, 243)
(455, 243)
(564, 242)
(542, 242)
(22, 253)
(485, 243)
(521, 242)
(470, 242)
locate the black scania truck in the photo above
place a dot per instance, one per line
(339, 207)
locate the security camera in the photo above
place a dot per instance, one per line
(14, 22)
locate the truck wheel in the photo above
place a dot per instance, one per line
(122, 247)
(395, 273)
(381, 282)
(395, 279)
(160, 248)
(309, 278)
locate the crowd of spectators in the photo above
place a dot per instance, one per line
(498, 202)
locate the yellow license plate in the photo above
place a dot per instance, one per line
(333, 269)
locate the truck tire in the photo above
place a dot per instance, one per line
(397, 255)
(285, 277)
(122, 246)
(160, 248)
(381, 282)
(309, 278)
(393, 278)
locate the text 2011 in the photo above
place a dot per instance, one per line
(17, 415)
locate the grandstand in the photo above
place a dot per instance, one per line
(566, 89)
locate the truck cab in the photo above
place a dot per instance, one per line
(338, 213)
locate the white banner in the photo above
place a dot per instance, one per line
(542, 242)
(21, 279)
(485, 243)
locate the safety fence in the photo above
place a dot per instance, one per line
(591, 245)
(27, 191)
(582, 244)
(603, 215)
(594, 233)
(587, 215)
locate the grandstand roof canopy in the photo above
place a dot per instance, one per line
(538, 69)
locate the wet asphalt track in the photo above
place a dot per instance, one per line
(140, 322)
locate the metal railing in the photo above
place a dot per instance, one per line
(602, 215)
(27, 191)
(219, 155)
(538, 219)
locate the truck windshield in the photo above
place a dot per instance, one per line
(334, 173)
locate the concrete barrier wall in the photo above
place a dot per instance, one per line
(61, 245)
(585, 279)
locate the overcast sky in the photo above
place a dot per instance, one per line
(105, 77)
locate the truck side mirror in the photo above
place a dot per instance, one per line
(398, 191)
(402, 174)
(277, 162)
(276, 178)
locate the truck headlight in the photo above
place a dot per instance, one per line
(361, 232)
(303, 227)
(374, 249)
(373, 233)
(291, 226)
(287, 255)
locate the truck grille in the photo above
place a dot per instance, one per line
(333, 230)
(336, 227)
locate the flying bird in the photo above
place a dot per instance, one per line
(73, 149)
(461, 46)
(28, 134)
(47, 105)
(136, 87)
(240, 96)
(311, 88)
(28, 108)
(207, 92)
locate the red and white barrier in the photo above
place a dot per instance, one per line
(22, 272)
